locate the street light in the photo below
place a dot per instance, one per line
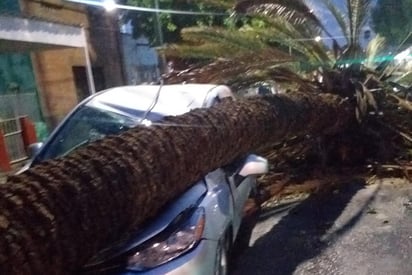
(109, 5)
(318, 38)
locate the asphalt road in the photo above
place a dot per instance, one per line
(356, 230)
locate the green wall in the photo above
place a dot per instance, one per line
(18, 91)
(16, 72)
(9, 6)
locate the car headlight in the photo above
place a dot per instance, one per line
(179, 237)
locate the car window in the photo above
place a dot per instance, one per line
(87, 124)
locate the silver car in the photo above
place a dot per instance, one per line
(194, 233)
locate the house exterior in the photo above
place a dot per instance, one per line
(53, 53)
(59, 66)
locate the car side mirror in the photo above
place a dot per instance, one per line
(254, 165)
(33, 149)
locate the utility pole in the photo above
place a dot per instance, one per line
(162, 66)
(159, 25)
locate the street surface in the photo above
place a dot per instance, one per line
(357, 229)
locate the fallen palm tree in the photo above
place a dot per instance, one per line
(378, 145)
(57, 215)
(283, 50)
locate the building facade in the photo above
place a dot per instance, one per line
(59, 69)
(53, 53)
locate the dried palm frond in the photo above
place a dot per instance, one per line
(233, 72)
(375, 46)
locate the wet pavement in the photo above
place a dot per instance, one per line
(357, 229)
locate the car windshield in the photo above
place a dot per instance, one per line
(87, 124)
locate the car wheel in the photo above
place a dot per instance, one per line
(222, 258)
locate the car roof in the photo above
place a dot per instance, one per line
(159, 99)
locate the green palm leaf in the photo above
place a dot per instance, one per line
(294, 11)
(357, 15)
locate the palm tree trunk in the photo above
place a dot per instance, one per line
(57, 215)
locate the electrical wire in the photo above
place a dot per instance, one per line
(153, 103)
(143, 9)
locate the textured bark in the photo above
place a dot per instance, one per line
(60, 213)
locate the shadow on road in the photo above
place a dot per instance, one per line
(299, 235)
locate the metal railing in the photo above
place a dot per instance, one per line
(12, 133)
(14, 105)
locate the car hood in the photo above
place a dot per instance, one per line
(190, 198)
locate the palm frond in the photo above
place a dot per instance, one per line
(301, 22)
(374, 47)
(283, 34)
(212, 50)
(296, 11)
(339, 16)
(225, 4)
(387, 69)
(298, 38)
(357, 15)
(207, 51)
(280, 74)
(405, 79)
(239, 40)
(228, 71)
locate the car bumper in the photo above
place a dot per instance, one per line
(201, 260)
